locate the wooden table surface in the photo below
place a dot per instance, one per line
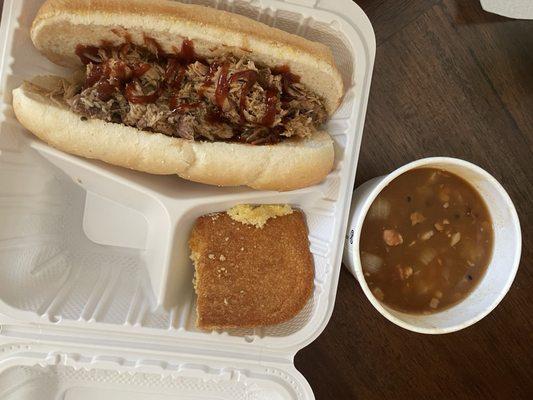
(452, 80)
(449, 80)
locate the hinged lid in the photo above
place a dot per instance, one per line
(48, 371)
(75, 288)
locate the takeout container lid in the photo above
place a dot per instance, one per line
(520, 9)
(64, 331)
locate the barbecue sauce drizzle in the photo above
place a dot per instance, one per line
(222, 88)
(250, 77)
(271, 101)
(123, 77)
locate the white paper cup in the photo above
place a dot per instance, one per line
(500, 272)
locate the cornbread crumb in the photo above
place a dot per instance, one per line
(214, 216)
(258, 215)
(194, 257)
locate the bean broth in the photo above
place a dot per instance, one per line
(426, 241)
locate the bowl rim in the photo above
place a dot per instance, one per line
(367, 202)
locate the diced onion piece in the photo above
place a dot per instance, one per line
(434, 303)
(370, 262)
(427, 235)
(456, 237)
(380, 209)
(378, 293)
(392, 237)
(439, 226)
(445, 198)
(427, 255)
(433, 177)
(422, 287)
(416, 218)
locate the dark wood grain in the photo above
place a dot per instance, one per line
(451, 80)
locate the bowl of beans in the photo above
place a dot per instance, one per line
(435, 245)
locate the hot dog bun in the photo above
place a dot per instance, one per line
(288, 165)
(60, 25)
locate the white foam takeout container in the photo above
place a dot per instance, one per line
(501, 270)
(96, 295)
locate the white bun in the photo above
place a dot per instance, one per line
(288, 165)
(60, 25)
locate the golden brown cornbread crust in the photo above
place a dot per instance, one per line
(59, 23)
(249, 277)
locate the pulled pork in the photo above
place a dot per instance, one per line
(223, 99)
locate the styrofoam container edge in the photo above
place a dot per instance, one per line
(501, 270)
(116, 290)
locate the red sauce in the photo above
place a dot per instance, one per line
(121, 70)
(281, 69)
(171, 68)
(287, 78)
(187, 53)
(108, 77)
(286, 73)
(214, 116)
(94, 75)
(105, 90)
(177, 63)
(271, 101)
(115, 75)
(222, 89)
(124, 49)
(152, 43)
(251, 78)
(173, 102)
(134, 98)
(140, 69)
(208, 81)
(174, 73)
(124, 33)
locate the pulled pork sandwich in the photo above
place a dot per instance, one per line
(171, 88)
